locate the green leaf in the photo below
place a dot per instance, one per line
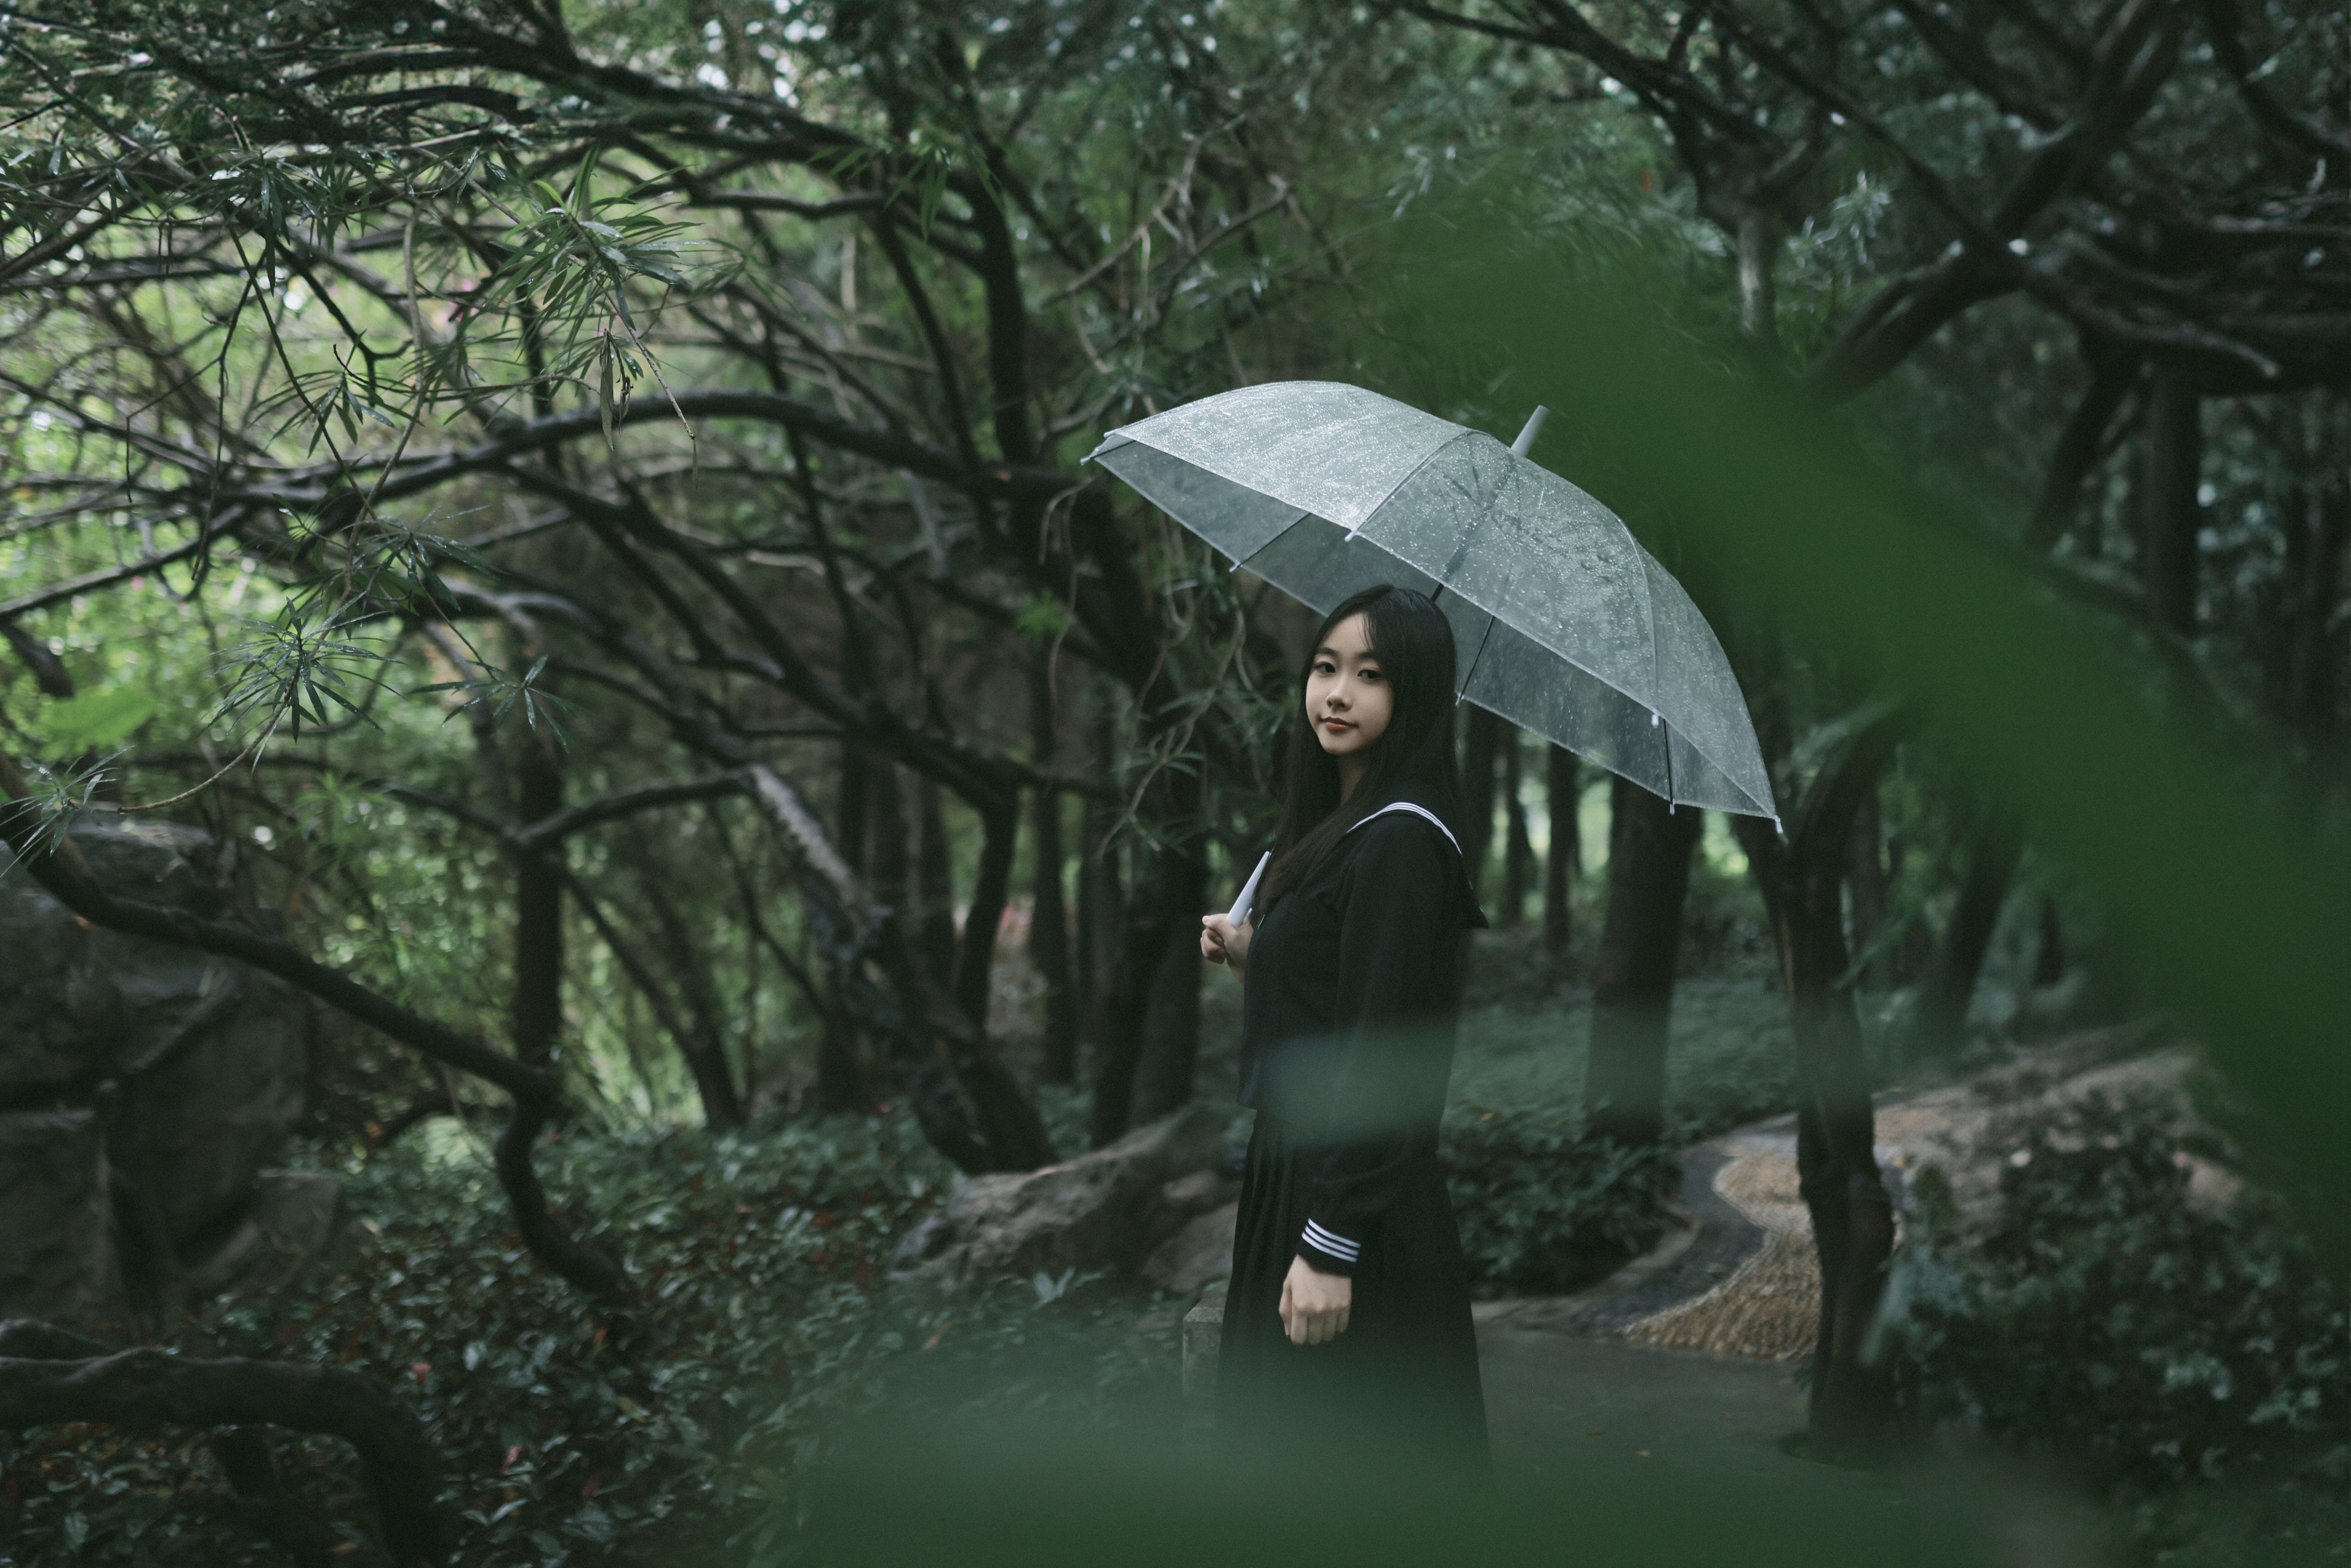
(1042, 616)
(95, 720)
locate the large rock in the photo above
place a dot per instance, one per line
(1198, 1254)
(58, 1259)
(292, 1228)
(1109, 1208)
(190, 1069)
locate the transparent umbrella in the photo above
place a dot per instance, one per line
(1565, 626)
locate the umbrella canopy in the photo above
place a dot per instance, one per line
(1564, 624)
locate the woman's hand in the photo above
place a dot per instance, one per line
(1315, 1305)
(1221, 941)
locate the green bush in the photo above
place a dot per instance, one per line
(575, 1435)
(2110, 1321)
(1542, 1207)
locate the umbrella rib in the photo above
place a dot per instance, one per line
(1240, 561)
(1406, 478)
(1763, 809)
(1472, 673)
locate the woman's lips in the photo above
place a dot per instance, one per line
(1335, 725)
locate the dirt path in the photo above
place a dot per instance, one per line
(1684, 1360)
(1741, 1279)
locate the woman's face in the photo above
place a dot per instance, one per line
(1348, 699)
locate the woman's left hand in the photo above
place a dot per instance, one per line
(1315, 1305)
(1221, 941)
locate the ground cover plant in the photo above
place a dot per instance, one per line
(680, 1422)
(2178, 1346)
(1543, 1205)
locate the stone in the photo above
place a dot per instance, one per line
(58, 1259)
(1108, 1208)
(291, 1226)
(1204, 1330)
(193, 1068)
(1200, 1191)
(1202, 1252)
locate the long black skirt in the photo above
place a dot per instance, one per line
(1401, 1383)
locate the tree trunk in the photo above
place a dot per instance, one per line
(1852, 1403)
(2049, 947)
(1914, 950)
(840, 1075)
(1140, 941)
(1171, 1019)
(935, 883)
(538, 907)
(886, 803)
(705, 1060)
(1757, 239)
(702, 1032)
(1151, 1027)
(2080, 444)
(1481, 740)
(1049, 928)
(1101, 899)
(2168, 511)
(990, 883)
(49, 672)
(1649, 847)
(970, 1106)
(2312, 633)
(893, 884)
(1562, 785)
(1940, 1021)
(1517, 851)
(1866, 883)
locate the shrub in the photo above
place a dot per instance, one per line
(1543, 1208)
(2110, 1320)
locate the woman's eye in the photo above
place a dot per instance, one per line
(1369, 674)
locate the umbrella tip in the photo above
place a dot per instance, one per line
(1526, 441)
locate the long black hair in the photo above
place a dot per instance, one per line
(1414, 643)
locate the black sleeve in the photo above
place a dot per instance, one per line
(1398, 932)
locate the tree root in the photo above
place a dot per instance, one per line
(50, 1375)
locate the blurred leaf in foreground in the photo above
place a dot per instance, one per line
(2225, 865)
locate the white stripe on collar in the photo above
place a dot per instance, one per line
(1416, 811)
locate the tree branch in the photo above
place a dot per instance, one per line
(149, 1387)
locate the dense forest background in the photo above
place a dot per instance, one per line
(584, 504)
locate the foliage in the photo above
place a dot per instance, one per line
(2112, 1318)
(580, 1434)
(1526, 1029)
(1542, 1206)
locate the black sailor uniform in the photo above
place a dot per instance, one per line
(1348, 1018)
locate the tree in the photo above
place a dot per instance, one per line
(773, 387)
(2160, 207)
(1649, 848)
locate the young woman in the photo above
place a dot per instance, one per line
(1347, 1322)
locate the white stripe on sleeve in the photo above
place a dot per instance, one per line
(1330, 1241)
